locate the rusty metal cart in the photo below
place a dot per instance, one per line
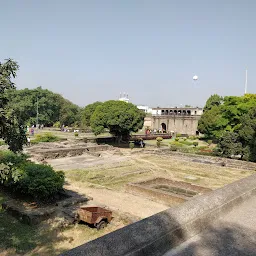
(97, 216)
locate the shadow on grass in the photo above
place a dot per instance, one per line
(17, 238)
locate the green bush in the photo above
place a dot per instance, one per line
(45, 137)
(209, 142)
(39, 181)
(36, 180)
(173, 147)
(2, 143)
(184, 139)
(192, 137)
(76, 134)
(131, 145)
(176, 143)
(195, 143)
(178, 135)
(56, 124)
(159, 139)
(177, 139)
(7, 156)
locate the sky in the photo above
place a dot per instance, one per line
(93, 50)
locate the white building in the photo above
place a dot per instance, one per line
(124, 97)
(146, 109)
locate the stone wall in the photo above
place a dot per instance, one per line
(178, 124)
(161, 232)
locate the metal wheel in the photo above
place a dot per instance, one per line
(101, 225)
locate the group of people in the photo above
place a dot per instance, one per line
(31, 130)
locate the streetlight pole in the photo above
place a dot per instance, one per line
(37, 111)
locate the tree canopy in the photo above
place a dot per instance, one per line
(119, 117)
(11, 126)
(52, 107)
(87, 113)
(232, 122)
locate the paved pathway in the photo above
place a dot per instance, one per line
(232, 235)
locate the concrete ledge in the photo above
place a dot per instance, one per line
(161, 232)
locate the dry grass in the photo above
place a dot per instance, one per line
(143, 167)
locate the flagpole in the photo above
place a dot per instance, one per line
(245, 87)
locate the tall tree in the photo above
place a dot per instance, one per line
(11, 126)
(119, 117)
(214, 100)
(52, 106)
(87, 113)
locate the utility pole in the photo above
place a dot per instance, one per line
(37, 111)
(245, 87)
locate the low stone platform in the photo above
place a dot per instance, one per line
(73, 151)
(167, 191)
(31, 214)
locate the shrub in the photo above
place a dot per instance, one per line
(36, 180)
(195, 143)
(2, 143)
(176, 139)
(184, 139)
(39, 181)
(131, 145)
(159, 139)
(209, 142)
(76, 134)
(45, 137)
(7, 156)
(192, 137)
(56, 124)
(178, 135)
(173, 147)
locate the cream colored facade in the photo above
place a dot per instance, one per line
(177, 120)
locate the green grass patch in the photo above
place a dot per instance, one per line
(45, 137)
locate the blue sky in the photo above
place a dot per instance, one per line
(93, 50)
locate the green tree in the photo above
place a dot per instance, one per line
(11, 126)
(87, 113)
(52, 107)
(119, 117)
(212, 124)
(247, 135)
(229, 145)
(214, 100)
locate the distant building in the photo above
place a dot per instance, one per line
(124, 97)
(146, 109)
(176, 120)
